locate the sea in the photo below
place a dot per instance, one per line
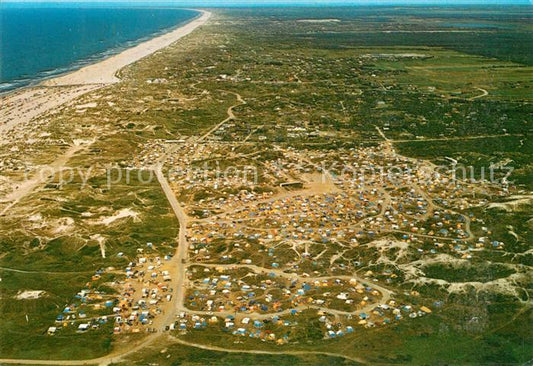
(37, 43)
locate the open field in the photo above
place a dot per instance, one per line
(246, 172)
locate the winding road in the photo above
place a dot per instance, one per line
(230, 113)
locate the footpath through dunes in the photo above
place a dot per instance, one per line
(31, 183)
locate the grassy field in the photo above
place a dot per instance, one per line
(446, 82)
(186, 355)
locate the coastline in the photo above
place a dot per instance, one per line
(22, 105)
(16, 85)
(104, 71)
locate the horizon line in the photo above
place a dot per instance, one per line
(266, 3)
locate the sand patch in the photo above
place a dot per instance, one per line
(122, 214)
(88, 105)
(35, 218)
(29, 294)
(392, 56)
(81, 142)
(504, 286)
(101, 242)
(384, 245)
(319, 183)
(514, 203)
(64, 224)
(332, 20)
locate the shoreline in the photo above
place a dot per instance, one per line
(41, 78)
(104, 71)
(23, 104)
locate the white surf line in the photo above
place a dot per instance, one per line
(27, 104)
(104, 72)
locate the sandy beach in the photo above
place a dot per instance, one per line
(20, 107)
(104, 72)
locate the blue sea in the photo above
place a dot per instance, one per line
(41, 42)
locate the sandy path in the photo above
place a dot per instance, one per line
(27, 104)
(109, 360)
(266, 352)
(484, 93)
(39, 178)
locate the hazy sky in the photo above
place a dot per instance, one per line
(296, 2)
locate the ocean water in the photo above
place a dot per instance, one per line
(38, 43)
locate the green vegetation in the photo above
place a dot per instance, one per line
(440, 83)
(186, 355)
(469, 272)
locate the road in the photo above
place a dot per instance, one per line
(484, 93)
(261, 352)
(230, 113)
(178, 266)
(180, 260)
